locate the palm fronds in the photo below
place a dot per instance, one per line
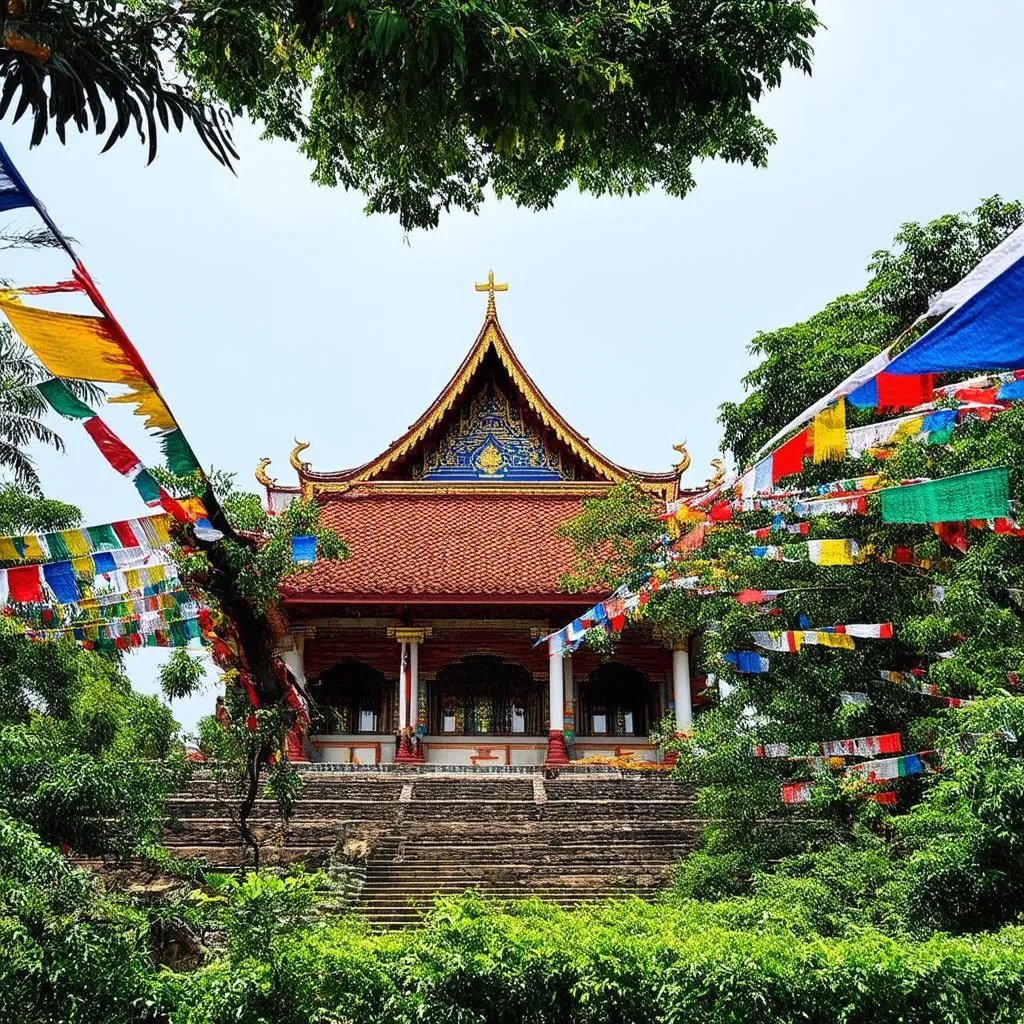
(101, 67)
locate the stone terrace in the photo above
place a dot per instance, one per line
(409, 834)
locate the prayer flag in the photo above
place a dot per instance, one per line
(833, 552)
(829, 433)
(122, 458)
(854, 698)
(13, 192)
(304, 550)
(796, 793)
(899, 392)
(763, 476)
(70, 345)
(982, 494)
(178, 454)
(60, 578)
(148, 404)
(747, 661)
(1014, 389)
(986, 332)
(23, 585)
(58, 396)
(789, 458)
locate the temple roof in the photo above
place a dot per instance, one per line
(490, 429)
(467, 547)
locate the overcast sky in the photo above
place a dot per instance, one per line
(269, 308)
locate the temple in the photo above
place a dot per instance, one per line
(421, 646)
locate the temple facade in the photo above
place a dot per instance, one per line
(421, 647)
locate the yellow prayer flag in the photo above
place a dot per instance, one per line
(685, 514)
(132, 579)
(70, 345)
(76, 541)
(83, 565)
(157, 573)
(835, 552)
(829, 433)
(33, 549)
(149, 404)
(841, 640)
(911, 428)
(8, 552)
(162, 528)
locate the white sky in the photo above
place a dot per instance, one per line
(269, 308)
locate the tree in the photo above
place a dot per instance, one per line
(802, 362)
(67, 63)
(421, 108)
(22, 410)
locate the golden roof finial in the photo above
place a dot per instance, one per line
(719, 467)
(300, 446)
(490, 287)
(684, 463)
(262, 477)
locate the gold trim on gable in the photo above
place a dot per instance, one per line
(490, 336)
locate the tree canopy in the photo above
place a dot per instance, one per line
(421, 107)
(802, 362)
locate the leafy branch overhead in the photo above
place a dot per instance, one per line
(421, 106)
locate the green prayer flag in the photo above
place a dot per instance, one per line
(59, 397)
(147, 487)
(178, 453)
(103, 538)
(56, 547)
(983, 494)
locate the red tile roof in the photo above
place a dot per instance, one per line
(443, 546)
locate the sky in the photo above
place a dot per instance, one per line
(270, 308)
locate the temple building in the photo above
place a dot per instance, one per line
(421, 646)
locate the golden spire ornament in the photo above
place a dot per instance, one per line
(490, 287)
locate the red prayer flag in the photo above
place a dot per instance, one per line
(896, 391)
(114, 450)
(789, 458)
(953, 534)
(904, 556)
(617, 622)
(722, 512)
(24, 586)
(125, 534)
(750, 596)
(986, 396)
(885, 799)
(889, 743)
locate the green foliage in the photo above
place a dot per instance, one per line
(239, 747)
(801, 363)
(181, 675)
(625, 961)
(68, 63)
(252, 567)
(25, 513)
(420, 108)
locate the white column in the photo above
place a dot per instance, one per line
(556, 692)
(414, 689)
(681, 689)
(403, 706)
(567, 679)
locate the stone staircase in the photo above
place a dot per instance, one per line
(411, 834)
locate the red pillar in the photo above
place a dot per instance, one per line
(557, 754)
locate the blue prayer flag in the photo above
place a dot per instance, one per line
(103, 561)
(984, 333)
(747, 661)
(763, 475)
(866, 396)
(13, 193)
(60, 578)
(303, 549)
(1011, 389)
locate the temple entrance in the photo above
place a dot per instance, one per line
(614, 701)
(352, 697)
(483, 695)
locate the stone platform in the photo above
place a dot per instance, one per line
(407, 834)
